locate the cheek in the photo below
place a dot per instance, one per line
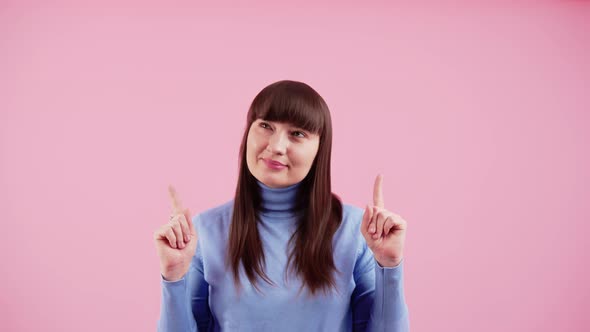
(249, 149)
(312, 154)
(253, 148)
(305, 157)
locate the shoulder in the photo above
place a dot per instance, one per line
(352, 214)
(349, 238)
(215, 216)
(212, 227)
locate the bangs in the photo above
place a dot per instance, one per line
(291, 102)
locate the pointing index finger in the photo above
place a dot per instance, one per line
(174, 198)
(378, 192)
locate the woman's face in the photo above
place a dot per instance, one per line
(279, 154)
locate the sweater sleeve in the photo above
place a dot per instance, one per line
(184, 306)
(378, 302)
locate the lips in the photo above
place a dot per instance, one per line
(273, 164)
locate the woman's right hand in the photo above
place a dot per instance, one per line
(176, 241)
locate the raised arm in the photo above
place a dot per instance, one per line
(184, 303)
(378, 299)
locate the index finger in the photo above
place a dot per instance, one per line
(174, 198)
(378, 192)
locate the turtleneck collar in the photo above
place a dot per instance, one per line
(279, 202)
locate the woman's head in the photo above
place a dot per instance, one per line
(288, 122)
(288, 125)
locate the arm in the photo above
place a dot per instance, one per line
(378, 302)
(184, 304)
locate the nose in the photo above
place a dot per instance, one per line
(277, 144)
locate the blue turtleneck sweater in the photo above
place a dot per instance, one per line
(369, 297)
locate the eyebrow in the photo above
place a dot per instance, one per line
(289, 124)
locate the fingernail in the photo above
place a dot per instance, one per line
(187, 238)
(372, 229)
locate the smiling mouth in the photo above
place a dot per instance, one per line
(274, 164)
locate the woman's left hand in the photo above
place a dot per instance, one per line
(384, 231)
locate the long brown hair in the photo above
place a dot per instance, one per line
(311, 255)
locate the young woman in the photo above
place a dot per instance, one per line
(285, 254)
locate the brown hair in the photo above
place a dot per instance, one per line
(311, 255)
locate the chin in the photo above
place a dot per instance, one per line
(272, 182)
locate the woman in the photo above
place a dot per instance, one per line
(285, 254)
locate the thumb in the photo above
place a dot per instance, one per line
(366, 220)
(188, 216)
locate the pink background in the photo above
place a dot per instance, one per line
(477, 115)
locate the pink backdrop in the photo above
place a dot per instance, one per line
(477, 115)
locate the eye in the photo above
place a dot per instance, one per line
(299, 132)
(264, 125)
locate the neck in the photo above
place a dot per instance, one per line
(279, 202)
